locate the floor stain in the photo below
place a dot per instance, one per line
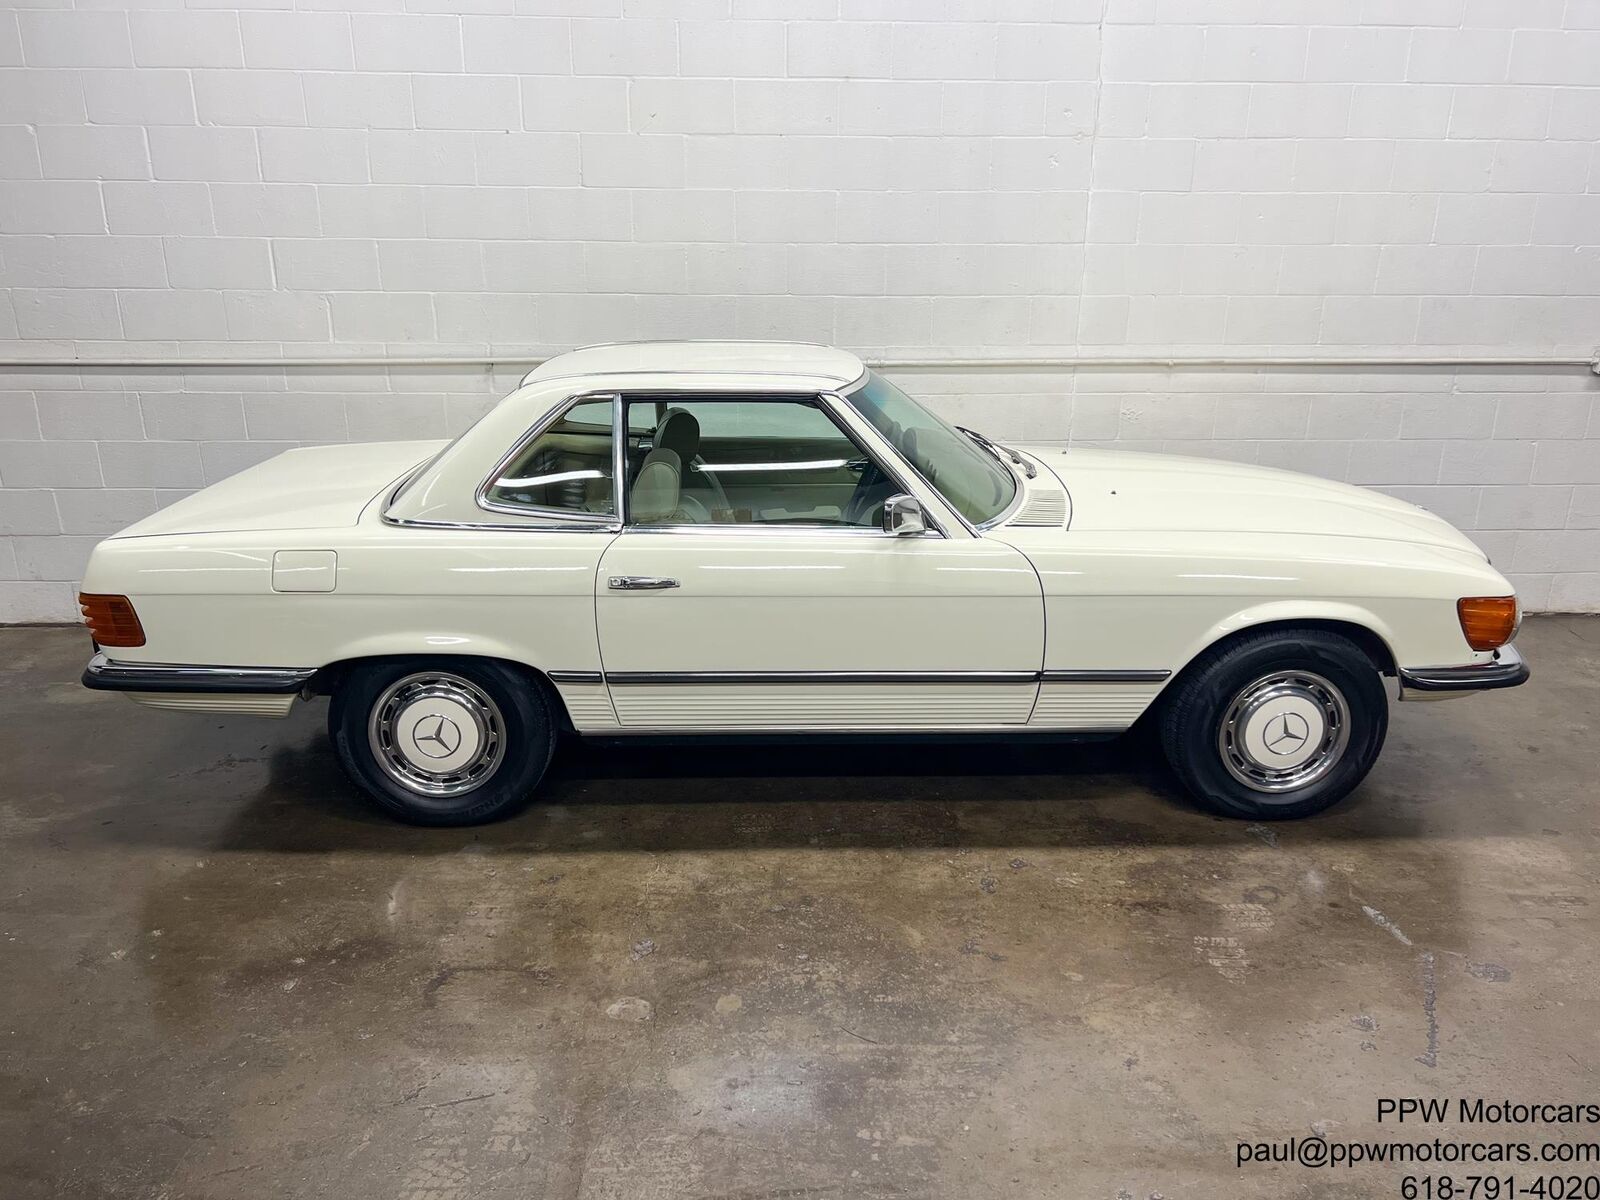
(1025, 970)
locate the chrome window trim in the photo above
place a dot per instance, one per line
(492, 526)
(844, 398)
(785, 531)
(718, 395)
(831, 398)
(619, 459)
(570, 517)
(539, 510)
(500, 527)
(821, 398)
(1011, 509)
(1002, 518)
(977, 530)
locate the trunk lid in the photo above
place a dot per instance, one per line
(315, 487)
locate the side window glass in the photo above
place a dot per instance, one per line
(567, 468)
(747, 462)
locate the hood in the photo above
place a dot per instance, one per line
(313, 488)
(1123, 490)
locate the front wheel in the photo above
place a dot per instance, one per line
(443, 741)
(1276, 725)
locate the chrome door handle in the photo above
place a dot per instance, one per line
(639, 583)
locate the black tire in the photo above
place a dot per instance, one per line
(1304, 671)
(501, 714)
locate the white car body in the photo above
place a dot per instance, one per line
(1106, 576)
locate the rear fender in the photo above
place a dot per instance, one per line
(414, 643)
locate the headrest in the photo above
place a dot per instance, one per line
(679, 431)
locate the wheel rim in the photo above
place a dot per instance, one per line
(1284, 731)
(437, 734)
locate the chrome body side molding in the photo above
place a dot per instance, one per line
(103, 674)
(627, 678)
(1104, 676)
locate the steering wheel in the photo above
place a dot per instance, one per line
(691, 510)
(871, 490)
(719, 498)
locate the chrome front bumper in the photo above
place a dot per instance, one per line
(1506, 671)
(103, 675)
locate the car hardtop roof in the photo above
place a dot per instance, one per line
(837, 368)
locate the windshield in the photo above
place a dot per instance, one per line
(973, 481)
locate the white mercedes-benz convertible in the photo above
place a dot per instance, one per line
(751, 538)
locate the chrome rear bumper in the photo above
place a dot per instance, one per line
(103, 675)
(1506, 671)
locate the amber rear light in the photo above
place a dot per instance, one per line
(111, 620)
(1489, 622)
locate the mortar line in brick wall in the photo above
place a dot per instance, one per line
(977, 362)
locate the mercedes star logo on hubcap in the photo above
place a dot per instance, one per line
(439, 739)
(1287, 733)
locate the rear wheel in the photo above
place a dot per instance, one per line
(1276, 725)
(443, 741)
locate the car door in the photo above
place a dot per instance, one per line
(753, 587)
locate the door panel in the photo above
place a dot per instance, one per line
(859, 706)
(830, 614)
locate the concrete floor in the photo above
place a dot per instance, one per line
(929, 972)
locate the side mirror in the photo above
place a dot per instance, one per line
(903, 516)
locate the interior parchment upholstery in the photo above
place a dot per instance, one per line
(655, 492)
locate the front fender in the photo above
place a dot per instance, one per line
(1288, 611)
(1417, 633)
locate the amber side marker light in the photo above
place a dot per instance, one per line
(111, 620)
(1489, 622)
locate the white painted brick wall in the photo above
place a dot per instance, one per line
(252, 178)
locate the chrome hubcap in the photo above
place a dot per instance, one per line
(1284, 731)
(437, 734)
